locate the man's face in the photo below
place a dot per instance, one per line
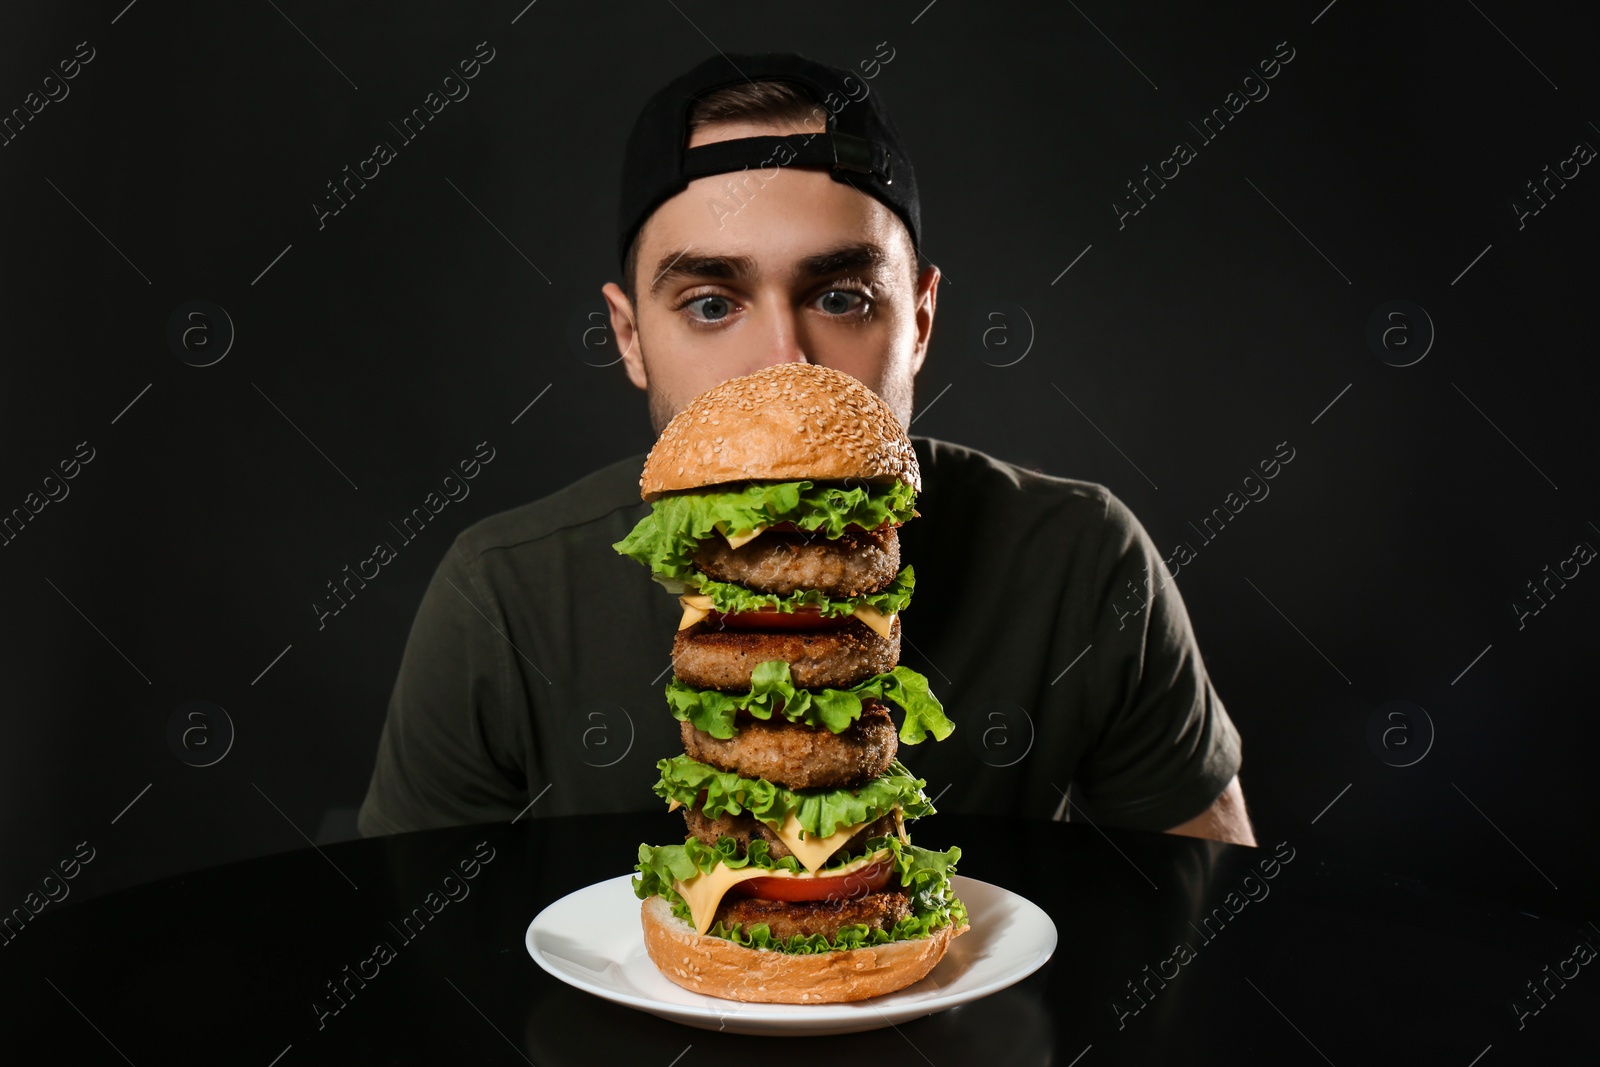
(795, 268)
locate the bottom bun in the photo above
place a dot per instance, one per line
(718, 967)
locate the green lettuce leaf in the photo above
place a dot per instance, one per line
(728, 597)
(920, 923)
(661, 865)
(820, 811)
(923, 874)
(666, 539)
(772, 689)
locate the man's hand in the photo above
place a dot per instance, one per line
(1224, 820)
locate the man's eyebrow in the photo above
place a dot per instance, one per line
(680, 264)
(863, 256)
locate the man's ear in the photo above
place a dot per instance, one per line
(927, 297)
(625, 329)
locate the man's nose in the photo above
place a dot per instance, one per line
(784, 339)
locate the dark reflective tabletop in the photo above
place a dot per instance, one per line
(1172, 950)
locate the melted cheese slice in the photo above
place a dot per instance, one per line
(740, 540)
(875, 619)
(695, 608)
(813, 852)
(704, 892)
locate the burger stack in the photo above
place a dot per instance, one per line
(775, 501)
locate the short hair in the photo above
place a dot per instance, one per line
(766, 101)
(777, 102)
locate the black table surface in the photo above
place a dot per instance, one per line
(1290, 960)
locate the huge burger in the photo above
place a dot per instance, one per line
(775, 501)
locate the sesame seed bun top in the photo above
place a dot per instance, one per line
(782, 423)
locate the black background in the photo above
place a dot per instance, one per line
(1220, 321)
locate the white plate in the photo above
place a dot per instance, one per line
(592, 939)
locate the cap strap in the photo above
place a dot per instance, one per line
(840, 151)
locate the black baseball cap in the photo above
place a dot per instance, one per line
(861, 145)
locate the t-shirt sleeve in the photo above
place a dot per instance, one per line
(451, 751)
(1164, 745)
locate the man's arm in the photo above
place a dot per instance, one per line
(1164, 746)
(1225, 820)
(453, 746)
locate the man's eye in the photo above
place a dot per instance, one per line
(713, 309)
(841, 301)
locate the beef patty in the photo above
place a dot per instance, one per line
(857, 562)
(784, 919)
(707, 656)
(797, 756)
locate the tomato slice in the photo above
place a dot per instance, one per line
(773, 619)
(859, 882)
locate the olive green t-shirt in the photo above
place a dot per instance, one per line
(533, 681)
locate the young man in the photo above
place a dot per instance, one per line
(769, 213)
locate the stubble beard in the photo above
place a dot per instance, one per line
(898, 393)
(662, 409)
